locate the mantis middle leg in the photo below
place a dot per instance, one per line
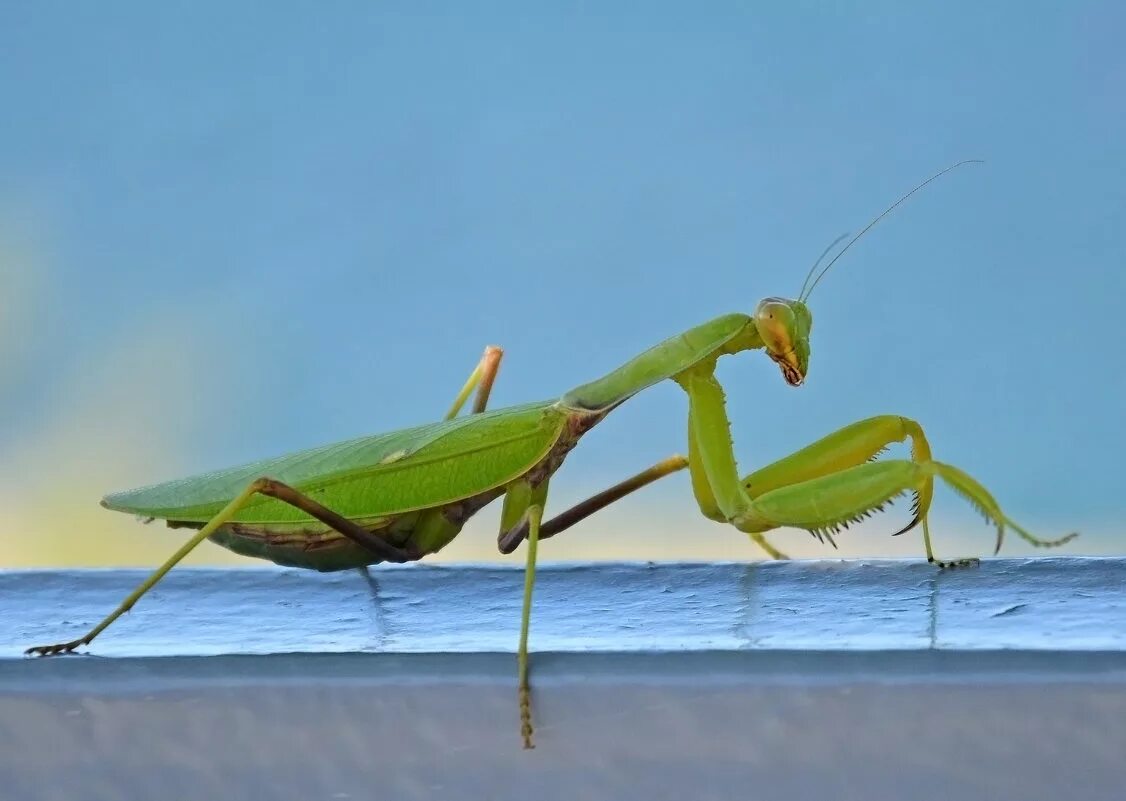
(521, 518)
(510, 538)
(523, 510)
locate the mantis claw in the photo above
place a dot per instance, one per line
(953, 564)
(526, 731)
(54, 650)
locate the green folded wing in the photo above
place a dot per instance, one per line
(383, 474)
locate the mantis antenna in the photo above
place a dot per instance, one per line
(824, 253)
(806, 293)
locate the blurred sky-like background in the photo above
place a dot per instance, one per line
(229, 231)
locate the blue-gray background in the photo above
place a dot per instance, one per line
(229, 231)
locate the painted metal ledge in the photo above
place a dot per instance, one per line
(866, 680)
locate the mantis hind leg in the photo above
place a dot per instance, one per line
(481, 379)
(432, 525)
(262, 486)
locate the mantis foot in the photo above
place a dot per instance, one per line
(953, 564)
(52, 650)
(771, 551)
(526, 717)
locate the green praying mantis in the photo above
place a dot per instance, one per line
(400, 496)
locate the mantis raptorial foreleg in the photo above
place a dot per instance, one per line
(814, 488)
(825, 486)
(852, 445)
(705, 498)
(712, 459)
(262, 486)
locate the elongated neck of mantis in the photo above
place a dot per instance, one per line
(730, 333)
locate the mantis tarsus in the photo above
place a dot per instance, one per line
(397, 497)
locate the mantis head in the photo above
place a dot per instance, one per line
(783, 325)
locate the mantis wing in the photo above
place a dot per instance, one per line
(375, 476)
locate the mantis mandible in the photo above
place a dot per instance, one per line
(400, 496)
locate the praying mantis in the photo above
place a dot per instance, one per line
(400, 496)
